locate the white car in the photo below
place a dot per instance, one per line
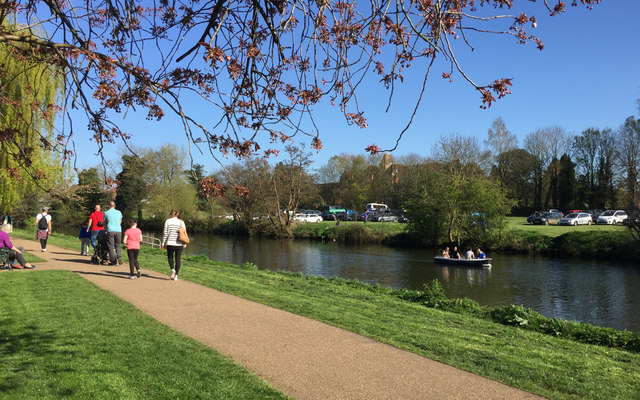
(611, 217)
(307, 217)
(575, 219)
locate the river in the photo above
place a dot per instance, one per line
(603, 293)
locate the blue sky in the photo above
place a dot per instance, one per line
(588, 75)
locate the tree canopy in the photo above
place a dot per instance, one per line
(258, 67)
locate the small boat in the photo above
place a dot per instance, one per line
(463, 262)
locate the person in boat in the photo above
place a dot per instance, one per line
(470, 255)
(480, 254)
(454, 253)
(445, 252)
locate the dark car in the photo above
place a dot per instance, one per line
(546, 218)
(633, 220)
(532, 216)
(348, 215)
(328, 216)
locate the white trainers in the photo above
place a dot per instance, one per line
(175, 278)
(173, 275)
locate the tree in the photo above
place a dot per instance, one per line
(92, 189)
(442, 208)
(132, 189)
(499, 139)
(566, 183)
(167, 185)
(260, 64)
(628, 144)
(462, 155)
(27, 139)
(545, 145)
(518, 170)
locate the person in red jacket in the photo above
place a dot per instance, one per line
(96, 224)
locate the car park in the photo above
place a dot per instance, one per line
(576, 218)
(611, 217)
(546, 218)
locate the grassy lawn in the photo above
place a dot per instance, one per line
(552, 367)
(62, 337)
(520, 223)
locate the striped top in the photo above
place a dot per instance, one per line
(170, 232)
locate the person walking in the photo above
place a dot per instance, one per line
(43, 222)
(112, 223)
(85, 238)
(132, 239)
(171, 241)
(96, 225)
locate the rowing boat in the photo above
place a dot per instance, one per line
(463, 262)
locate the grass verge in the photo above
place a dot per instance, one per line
(549, 366)
(62, 337)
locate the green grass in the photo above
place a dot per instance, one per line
(552, 367)
(520, 224)
(62, 337)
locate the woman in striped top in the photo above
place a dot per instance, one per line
(171, 243)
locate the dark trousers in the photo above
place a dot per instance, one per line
(113, 242)
(174, 252)
(17, 256)
(133, 260)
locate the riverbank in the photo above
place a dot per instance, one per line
(594, 241)
(544, 364)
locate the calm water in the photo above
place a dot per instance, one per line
(601, 293)
(598, 292)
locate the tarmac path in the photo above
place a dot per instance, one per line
(301, 357)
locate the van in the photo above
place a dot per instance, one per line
(377, 207)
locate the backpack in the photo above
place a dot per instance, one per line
(43, 225)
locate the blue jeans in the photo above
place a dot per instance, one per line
(94, 238)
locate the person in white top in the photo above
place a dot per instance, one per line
(43, 222)
(172, 243)
(470, 255)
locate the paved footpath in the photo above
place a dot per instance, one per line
(301, 357)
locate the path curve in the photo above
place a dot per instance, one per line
(303, 358)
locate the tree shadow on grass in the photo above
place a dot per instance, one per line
(20, 350)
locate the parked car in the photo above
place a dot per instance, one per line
(633, 219)
(348, 215)
(532, 216)
(384, 217)
(572, 212)
(580, 218)
(612, 217)
(328, 216)
(307, 218)
(552, 210)
(546, 218)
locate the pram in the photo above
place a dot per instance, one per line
(6, 260)
(101, 252)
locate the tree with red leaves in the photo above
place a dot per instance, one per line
(257, 66)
